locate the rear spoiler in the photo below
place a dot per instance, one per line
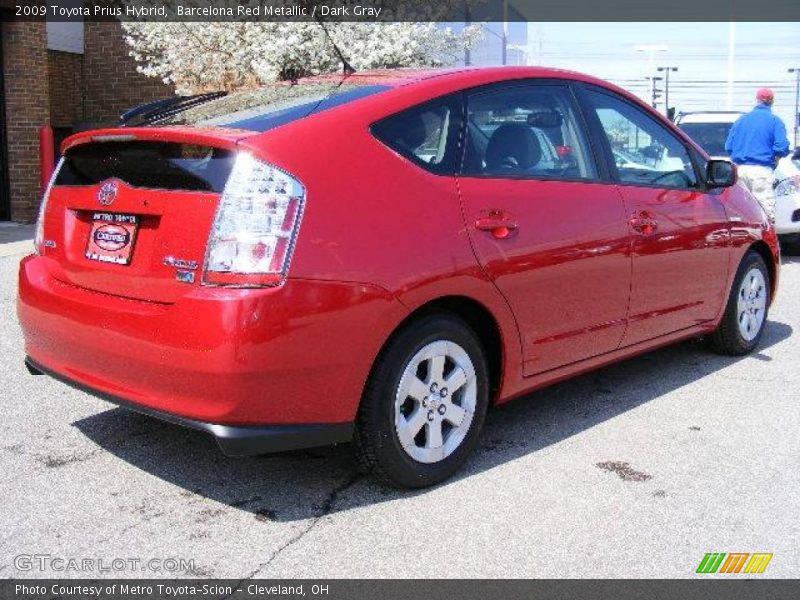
(218, 137)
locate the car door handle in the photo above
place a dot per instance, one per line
(500, 224)
(643, 223)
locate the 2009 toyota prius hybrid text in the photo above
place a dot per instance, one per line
(380, 258)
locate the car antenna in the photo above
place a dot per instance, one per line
(347, 68)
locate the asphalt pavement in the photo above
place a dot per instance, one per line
(636, 470)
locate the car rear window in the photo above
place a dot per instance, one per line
(158, 165)
(271, 106)
(710, 136)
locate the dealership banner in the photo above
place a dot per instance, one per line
(399, 589)
(371, 11)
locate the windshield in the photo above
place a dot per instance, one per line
(710, 136)
(271, 106)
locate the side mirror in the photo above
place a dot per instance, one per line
(720, 173)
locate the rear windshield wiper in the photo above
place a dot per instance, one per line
(160, 110)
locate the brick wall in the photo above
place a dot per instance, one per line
(65, 82)
(111, 83)
(27, 108)
(65, 90)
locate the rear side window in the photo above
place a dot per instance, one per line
(427, 134)
(158, 165)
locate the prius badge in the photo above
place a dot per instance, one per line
(107, 193)
(183, 268)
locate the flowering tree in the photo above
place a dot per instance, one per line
(200, 57)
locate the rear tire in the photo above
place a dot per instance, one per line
(790, 244)
(746, 312)
(424, 403)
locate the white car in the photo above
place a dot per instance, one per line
(787, 203)
(710, 130)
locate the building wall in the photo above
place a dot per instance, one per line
(67, 90)
(26, 108)
(111, 83)
(66, 82)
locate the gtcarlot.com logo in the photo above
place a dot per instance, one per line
(734, 562)
(65, 564)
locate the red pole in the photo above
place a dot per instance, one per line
(46, 154)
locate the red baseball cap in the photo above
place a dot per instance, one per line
(765, 95)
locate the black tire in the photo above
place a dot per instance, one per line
(376, 441)
(727, 339)
(790, 244)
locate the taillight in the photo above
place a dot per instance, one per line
(38, 239)
(256, 226)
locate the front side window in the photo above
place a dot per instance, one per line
(644, 151)
(426, 135)
(525, 131)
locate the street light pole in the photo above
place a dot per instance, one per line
(796, 71)
(666, 71)
(504, 37)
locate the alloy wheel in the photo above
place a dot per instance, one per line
(751, 304)
(435, 401)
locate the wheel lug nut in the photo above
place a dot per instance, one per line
(430, 415)
(434, 387)
(425, 402)
(442, 409)
(443, 392)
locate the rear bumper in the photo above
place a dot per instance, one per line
(233, 441)
(221, 360)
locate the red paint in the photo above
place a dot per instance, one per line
(574, 275)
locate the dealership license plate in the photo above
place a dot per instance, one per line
(111, 238)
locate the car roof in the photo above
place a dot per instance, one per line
(467, 75)
(710, 116)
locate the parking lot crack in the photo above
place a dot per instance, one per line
(326, 508)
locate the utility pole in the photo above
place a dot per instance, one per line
(655, 92)
(666, 71)
(504, 37)
(796, 71)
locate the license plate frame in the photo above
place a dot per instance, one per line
(112, 237)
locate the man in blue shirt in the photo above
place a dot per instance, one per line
(756, 141)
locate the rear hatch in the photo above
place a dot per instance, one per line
(129, 213)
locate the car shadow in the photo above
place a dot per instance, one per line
(313, 483)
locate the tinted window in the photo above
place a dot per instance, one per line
(426, 134)
(525, 131)
(644, 152)
(710, 136)
(158, 165)
(271, 106)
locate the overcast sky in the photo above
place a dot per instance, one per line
(762, 54)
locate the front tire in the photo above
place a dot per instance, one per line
(745, 315)
(424, 403)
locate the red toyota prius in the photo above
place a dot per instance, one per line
(381, 257)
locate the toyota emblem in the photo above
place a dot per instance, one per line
(107, 193)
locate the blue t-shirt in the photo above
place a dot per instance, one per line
(757, 138)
